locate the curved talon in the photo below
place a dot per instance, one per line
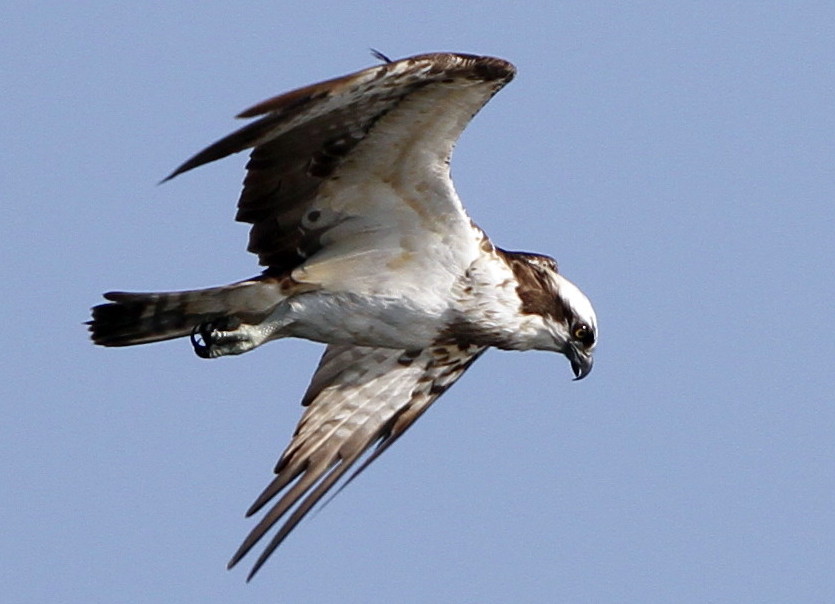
(209, 337)
(200, 338)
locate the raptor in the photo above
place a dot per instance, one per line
(366, 248)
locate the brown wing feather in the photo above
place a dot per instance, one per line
(357, 397)
(305, 134)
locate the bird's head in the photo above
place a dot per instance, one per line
(566, 319)
(574, 326)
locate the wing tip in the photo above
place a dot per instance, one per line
(484, 67)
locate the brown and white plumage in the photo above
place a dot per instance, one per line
(417, 107)
(359, 396)
(368, 249)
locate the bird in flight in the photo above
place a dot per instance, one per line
(368, 249)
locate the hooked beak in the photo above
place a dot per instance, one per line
(581, 362)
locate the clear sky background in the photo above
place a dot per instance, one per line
(676, 158)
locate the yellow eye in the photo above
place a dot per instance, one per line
(584, 334)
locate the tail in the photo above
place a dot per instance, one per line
(142, 318)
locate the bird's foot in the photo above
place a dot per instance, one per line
(223, 336)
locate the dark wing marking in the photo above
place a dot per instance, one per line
(358, 397)
(303, 136)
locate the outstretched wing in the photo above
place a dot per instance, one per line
(358, 167)
(358, 397)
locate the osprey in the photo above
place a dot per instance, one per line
(367, 249)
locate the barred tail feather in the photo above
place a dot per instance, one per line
(142, 318)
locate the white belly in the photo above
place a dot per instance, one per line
(392, 322)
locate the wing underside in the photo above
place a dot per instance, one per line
(358, 398)
(393, 125)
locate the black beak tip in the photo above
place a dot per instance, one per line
(581, 368)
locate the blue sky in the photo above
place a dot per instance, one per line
(677, 160)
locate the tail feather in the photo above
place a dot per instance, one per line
(142, 318)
